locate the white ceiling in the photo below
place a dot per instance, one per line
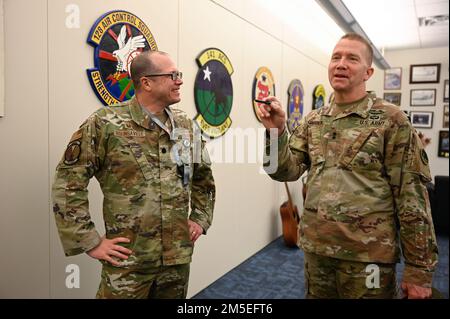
(394, 24)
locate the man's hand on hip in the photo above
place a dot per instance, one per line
(108, 248)
(195, 230)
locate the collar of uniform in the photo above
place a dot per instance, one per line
(362, 108)
(138, 115)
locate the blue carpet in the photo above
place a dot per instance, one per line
(276, 272)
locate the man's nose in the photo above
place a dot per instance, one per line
(341, 64)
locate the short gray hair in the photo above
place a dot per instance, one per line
(143, 65)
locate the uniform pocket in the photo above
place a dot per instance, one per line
(142, 161)
(127, 163)
(355, 140)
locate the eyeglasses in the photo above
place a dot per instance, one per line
(175, 75)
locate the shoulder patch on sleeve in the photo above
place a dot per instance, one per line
(73, 150)
(72, 153)
(424, 157)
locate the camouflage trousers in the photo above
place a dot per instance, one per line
(164, 282)
(335, 278)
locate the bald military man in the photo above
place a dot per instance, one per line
(150, 165)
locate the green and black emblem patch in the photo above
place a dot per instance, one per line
(213, 92)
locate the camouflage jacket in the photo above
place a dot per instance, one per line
(143, 195)
(367, 176)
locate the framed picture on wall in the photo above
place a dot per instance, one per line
(421, 119)
(443, 144)
(424, 73)
(446, 91)
(445, 117)
(393, 79)
(393, 98)
(424, 97)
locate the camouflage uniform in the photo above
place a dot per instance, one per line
(367, 174)
(333, 278)
(144, 197)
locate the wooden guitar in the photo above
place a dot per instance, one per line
(290, 220)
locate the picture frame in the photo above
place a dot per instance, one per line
(443, 148)
(423, 97)
(394, 98)
(424, 73)
(421, 119)
(446, 91)
(393, 79)
(445, 117)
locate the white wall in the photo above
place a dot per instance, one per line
(404, 59)
(24, 166)
(48, 96)
(2, 62)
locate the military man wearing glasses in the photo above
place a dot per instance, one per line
(150, 164)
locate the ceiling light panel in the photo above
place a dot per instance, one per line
(432, 9)
(389, 24)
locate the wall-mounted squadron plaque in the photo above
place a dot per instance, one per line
(263, 86)
(318, 97)
(213, 92)
(295, 104)
(117, 37)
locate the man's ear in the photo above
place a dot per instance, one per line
(369, 73)
(145, 84)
